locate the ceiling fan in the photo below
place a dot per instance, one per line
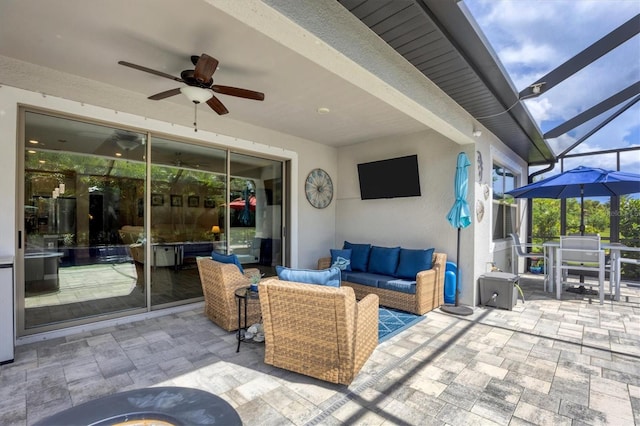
(199, 84)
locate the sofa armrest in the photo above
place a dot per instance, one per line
(430, 283)
(439, 261)
(324, 262)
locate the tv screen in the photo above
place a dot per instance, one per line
(396, 177)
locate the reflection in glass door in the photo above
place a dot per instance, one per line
(188, 183)
(83, 212)
(255, 212)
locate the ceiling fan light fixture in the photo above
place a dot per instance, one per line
(196, 95)
(128, 144)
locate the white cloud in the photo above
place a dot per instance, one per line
(527, 53)
(532, 38)
(540, 108)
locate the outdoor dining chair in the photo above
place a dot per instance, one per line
(580, 253)
(519, 250)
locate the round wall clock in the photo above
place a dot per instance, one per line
(318, 188)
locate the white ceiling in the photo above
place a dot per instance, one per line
(88, 37)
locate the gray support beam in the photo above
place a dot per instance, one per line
(607, 43)
(601, 125)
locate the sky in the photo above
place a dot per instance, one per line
(533, 37)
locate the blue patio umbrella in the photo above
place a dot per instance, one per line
(459, 217)
(581, 182)
(245, 214)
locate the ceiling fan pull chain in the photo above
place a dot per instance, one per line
(195, 117)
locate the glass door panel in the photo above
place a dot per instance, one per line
(83, 187)
(188, 185)
(255, 212)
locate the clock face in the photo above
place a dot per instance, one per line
(319, 188)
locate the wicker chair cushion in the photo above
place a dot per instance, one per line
(329, 277)
(359, 255)
(383, 260)
(231, 258)
(413, 261)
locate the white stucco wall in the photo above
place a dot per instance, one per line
(411, 222)
(493, 151)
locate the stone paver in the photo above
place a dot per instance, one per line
(546, 362)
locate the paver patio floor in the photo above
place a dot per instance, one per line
(546, 362)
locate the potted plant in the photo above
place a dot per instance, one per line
(255, 280)
(537, 267)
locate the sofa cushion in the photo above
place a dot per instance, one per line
(413, 261)
(359, 255)
(329, 277)
(341, 259)
(383, 260)
(404, 286)
(364, 278)
(230, 258)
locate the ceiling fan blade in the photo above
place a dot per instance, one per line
(149, 70)
(205, 67)
(236, 91)
(217, 106)
(166, 94)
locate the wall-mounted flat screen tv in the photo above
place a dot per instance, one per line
(395, 177)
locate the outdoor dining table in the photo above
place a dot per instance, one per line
(551, 247)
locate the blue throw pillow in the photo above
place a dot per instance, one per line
(231, 258)
(341, 259)
(329, 277)
(413, 261)
(384, 260)
(359, 255)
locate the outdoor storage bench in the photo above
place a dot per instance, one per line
(405, 279)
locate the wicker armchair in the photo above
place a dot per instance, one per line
(219, 283)
(316, 330)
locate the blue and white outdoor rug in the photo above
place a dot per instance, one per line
(392, 322)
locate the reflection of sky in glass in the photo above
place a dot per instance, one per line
(533, 38)
(503, 181)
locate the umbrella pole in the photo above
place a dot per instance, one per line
(582, 210)
(457, 309)
(581, 289)
(457, 270)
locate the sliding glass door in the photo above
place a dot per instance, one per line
(188, 186)
(114, 219)
(82, 184)
(255, 212)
